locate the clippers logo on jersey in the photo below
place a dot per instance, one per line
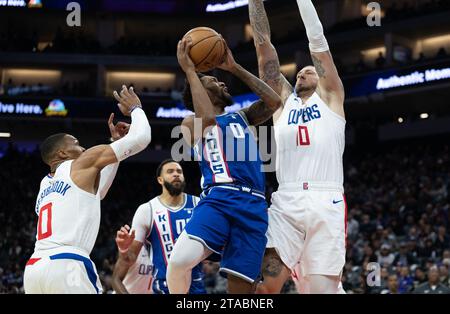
(310, 141)
(59, 187)
(145, 269)
(304, 115)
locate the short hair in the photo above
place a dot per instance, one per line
(50, 145)
(162, 164)
(187, 94)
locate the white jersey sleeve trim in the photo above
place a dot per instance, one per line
(195, 200)
(142, 222)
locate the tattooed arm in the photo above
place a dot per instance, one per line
(268, 62)
(261, 110)
(330, 85)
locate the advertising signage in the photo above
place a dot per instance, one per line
(395, 79)
(93, 109)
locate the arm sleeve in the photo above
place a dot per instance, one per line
(142, 222)
(137, 139)
(314, 28)
(107, 176)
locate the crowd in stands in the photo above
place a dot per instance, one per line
(398, 238)
(79, 88)
(78, 41)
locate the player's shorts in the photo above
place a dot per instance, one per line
(61, 271)
(232, 220)
(302, 283)
(308, 224)
(159, 286)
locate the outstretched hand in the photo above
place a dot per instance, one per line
(124, 238)
(119, 130)
(127, 99)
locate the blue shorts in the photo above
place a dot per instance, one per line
(233, 223)
(159, 286)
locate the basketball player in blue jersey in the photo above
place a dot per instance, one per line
(232, 217)
(159, 223)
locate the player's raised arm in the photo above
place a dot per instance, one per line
(87, 166)
(330, 84)
(268, 62)
(203, 107)
(270, 101)
(108, 173)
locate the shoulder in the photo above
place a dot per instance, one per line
(243, 115)
(143, 209)
(195, 199)
(188, 120)
(143, 215)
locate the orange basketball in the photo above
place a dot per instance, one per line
(208, 48)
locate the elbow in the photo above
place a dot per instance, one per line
(277, 103)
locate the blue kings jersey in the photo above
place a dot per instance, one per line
(166, 226)
(229, 154)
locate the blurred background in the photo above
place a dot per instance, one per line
(56, 78)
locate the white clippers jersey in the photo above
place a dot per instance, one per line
(310, 140)
(138, 279)
(68, 216)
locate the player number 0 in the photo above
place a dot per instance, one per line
(303, 136)
(45, 217)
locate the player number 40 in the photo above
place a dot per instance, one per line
(45, 222)
(302, 136)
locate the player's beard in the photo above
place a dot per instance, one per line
(175, 189)
(227, 99)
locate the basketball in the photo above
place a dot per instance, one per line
(208, 48)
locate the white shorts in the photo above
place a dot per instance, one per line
(309, 227)
(61, 273)
(302, 283)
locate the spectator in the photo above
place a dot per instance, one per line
(385, 257)
(406, 282)
(392, 287)
(442, 53)
(444, 275)
(404, 257)
(352, 226)
(433, 286)
(380, 61)
(419, 277)
(442, 240)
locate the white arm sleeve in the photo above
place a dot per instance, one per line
(137, 139)
(314, 29)
(107, 176)
(142, 222)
